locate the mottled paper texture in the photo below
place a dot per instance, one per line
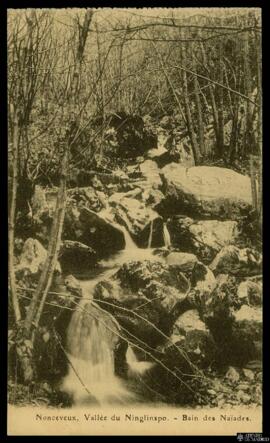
(135, 211)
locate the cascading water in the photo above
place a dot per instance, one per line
(91, 340)
(150, 234)
(166, 236)
(90, 344)
(136, 367)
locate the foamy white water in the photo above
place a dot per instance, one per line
(91, 337)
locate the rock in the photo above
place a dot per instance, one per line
(236, 328)
(166, 122)
(216, 310)
(197, 347)
(39, 202)
(33, 258)
(153, 279)
(87, 197)
(259, 377)
(233, 260)
(248, 374)
(189, 321)
(142, 222)
(243, 387)
(211, 392)
(248, 313)
(127, 137)
(151, 289)
(152, 197)
(232, 375)
(202, 293)
(246, 335)
(74, 254)
(243, 397)
(182, 259)
(205, 191)
(204, 238)
(257, 394)
(150, 184)
(151, 173)
(160, 155)
(250, 292)
(255, 365)
(87, 227)
(203, 280)
(73, 285)
(44, 207)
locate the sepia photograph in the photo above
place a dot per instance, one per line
(134, 221)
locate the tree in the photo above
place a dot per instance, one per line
(27, 329)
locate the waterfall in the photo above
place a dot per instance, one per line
(136, 367)
(90, 338)
(129, 243)
(166, 236)
(150, 234)
(90, 346)
(107, 215)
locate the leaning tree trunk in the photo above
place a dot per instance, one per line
(11, 222)
(26, 334)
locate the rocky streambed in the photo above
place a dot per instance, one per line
(168, 255)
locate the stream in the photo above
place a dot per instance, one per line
(91, 377)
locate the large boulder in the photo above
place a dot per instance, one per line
(250, 292)
(185, 261)
(205, 238)
(151, 173)
(246, 335)
(44, 203)
(88, 197)
(149, 184)
(192, 336)
(76, 255)
(173, 143)
(187, 322)
(235, 326)
(233, 260)
(32, 258)
(203, 285)
(205, 191)
(91, 229)
(154, 291)
(142, 222)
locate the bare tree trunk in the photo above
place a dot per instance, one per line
(212, 96)
(247, 145)
(234, 133)
(199, 111)
(60, 216)
(259, 87)
(259, 123)
(26, 334)
(220, 145)
(170, 83)
(99, 65)
(191, 131)
(12, 215)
